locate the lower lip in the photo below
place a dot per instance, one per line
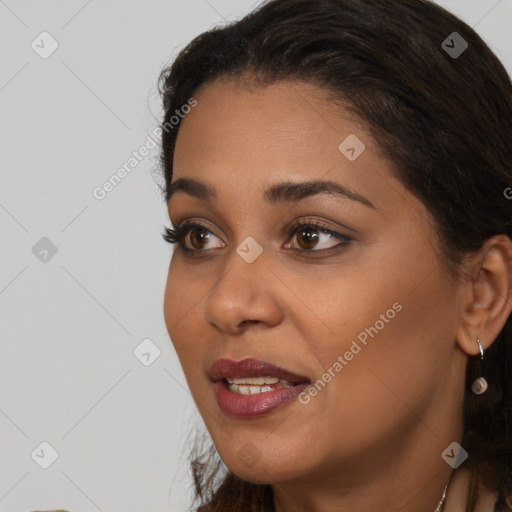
(252, 406)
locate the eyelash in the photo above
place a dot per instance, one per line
(177, 235)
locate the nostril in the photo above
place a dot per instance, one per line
(242, 324)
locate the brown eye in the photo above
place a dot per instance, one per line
(314, 238)
(191, 238)
(199, 237)
(307, 238)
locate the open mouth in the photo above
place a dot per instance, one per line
(255, 385)
(250, 388)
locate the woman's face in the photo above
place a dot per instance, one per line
(363, 312)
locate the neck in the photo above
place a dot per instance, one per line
(406, 475)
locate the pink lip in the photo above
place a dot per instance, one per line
(251, 406)
(227, 368)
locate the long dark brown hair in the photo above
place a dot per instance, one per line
(443, 120)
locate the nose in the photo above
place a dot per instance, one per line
(245, 296)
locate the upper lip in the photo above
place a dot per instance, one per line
(229, 369)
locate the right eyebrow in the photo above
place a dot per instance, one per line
(287, 191)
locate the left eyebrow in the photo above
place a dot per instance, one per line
(295, 191)
(287, 191)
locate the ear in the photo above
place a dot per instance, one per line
(488, 301)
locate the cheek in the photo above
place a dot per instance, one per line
(181, 307)
(394, 323)
(182, 299)
(184, 302)
(173, 302)
(401, 355)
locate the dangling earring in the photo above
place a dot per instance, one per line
(480, 385)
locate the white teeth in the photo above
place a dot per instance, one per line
(249, 390)
(257, 381)
(244, 387)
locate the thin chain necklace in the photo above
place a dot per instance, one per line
(440, 507)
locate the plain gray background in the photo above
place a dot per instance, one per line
(71, 320)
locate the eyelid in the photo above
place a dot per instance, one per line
(317, 224)
(186, 226)
(309, 221)
(295, 228)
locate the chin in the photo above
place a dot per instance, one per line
(267, 466)
(264, 474)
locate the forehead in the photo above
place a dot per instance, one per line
(242, 139)
(287, 127)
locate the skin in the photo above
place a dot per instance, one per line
(372, 438)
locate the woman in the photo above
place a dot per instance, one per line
(338, 174)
